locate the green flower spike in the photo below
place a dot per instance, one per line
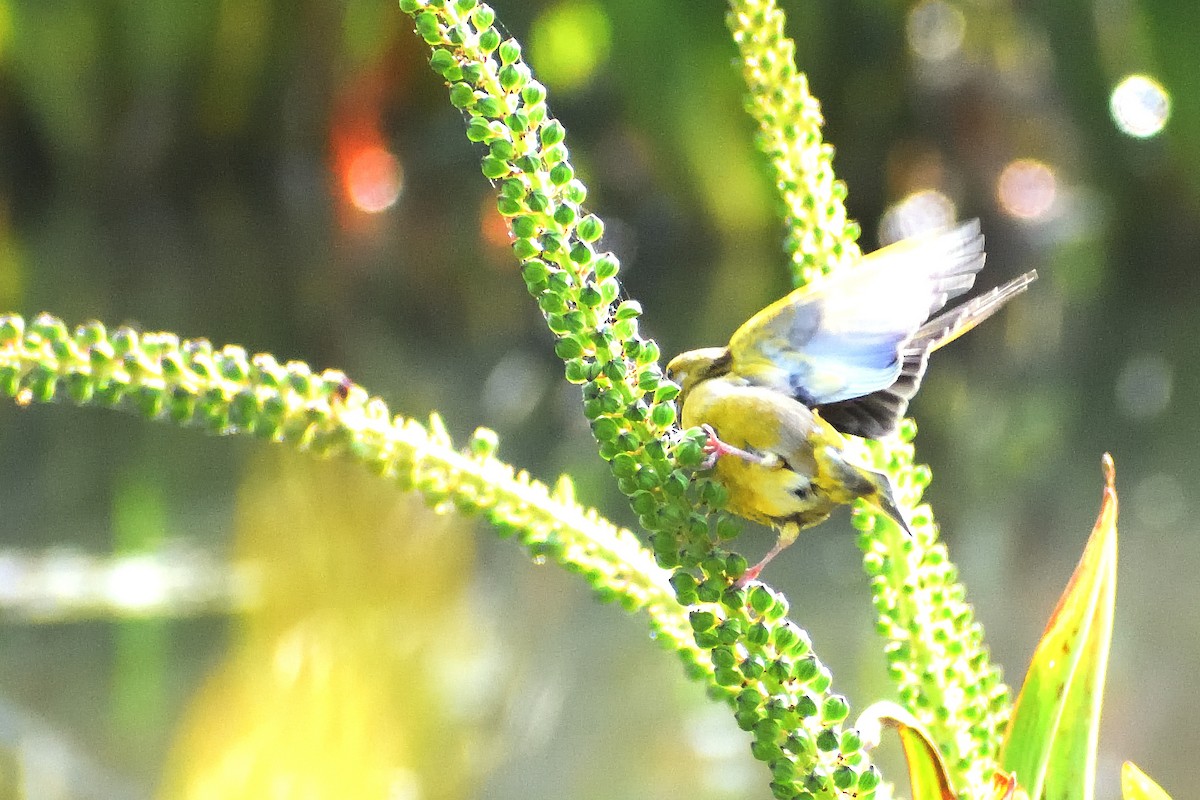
(763, 662)
(227, 391)
(820, 237)
(936, 656)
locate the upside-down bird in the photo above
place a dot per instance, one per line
(839, 357)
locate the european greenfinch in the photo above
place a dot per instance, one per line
(839, 357)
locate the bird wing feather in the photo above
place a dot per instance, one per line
(878, 414)
(843, 337)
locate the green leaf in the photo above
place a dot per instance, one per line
(1137, 785)
(1051, 744)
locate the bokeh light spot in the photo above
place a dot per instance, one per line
(373, 180)
(569, 42)
(1027, 189)
(1140, 106)
(935, 30)
(1144, 386)
(514, 388)
(922, 211)
(138, 584)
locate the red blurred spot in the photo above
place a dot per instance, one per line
(494, 229)
(372, 179)
(369, 174)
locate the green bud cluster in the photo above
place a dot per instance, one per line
(159, 376)
(782, 694)
(935, 650)
(628, 402)
(819, 237)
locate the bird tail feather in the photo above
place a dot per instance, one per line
(945, 328)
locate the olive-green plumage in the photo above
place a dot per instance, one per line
(840, 357)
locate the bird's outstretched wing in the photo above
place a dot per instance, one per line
(845, 337)
(878, 414)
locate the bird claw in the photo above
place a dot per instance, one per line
(714, 448)
(748, 577)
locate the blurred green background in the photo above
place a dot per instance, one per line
(194, 617)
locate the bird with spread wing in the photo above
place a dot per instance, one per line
(839, 357)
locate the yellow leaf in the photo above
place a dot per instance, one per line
(1137, 785)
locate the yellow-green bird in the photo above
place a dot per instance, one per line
(839, 357)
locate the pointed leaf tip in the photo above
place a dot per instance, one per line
(1108, 507)
(1137, 785)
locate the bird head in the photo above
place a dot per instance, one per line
(690, 368)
